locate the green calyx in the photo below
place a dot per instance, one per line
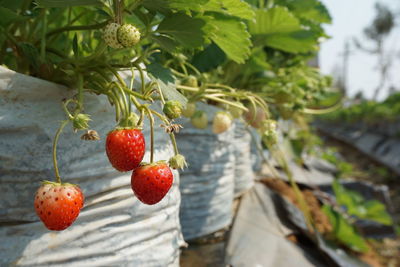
(80, 121)
(177, 162)
(45, 182)
(147, 164)
(120, 128)
(173, 109)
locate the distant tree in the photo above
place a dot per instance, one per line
(377, 32)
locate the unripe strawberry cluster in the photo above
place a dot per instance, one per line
(120, 36)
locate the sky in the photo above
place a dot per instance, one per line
(350, 17)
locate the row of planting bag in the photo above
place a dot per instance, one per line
(114, 228)
(380, 147)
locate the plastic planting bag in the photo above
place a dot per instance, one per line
(114, 228)
(244, 175)
(207, 186)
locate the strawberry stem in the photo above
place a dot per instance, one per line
(173, 141)
(80, 92)
(151, 118)
(141, 76)
(55, 142)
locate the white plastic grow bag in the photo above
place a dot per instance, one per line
(114, 228)
(244, 175)
(207, 185)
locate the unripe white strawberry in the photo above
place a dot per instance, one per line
(128, 35)
(222, 122)
(110, 35)
(199, 120)
(189, 110)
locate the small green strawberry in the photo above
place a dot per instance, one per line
(268, 132)
(222, 122)
(173, 109)
(128, 35)
(191, 81)
(177, 162)
(110, 35)
(199, 119)
(190, 109)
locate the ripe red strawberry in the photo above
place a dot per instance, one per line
(151, 182)
(58, 205)
(125, 148)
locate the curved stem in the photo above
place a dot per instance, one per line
(141, 77)
(80, 92)
(132, 78)
(174, 145)
(216, 99)
(193, 68)
(161, 94)
(123, 101)
(77, 28)
(55, 142)
(162, 118)
(151, 118)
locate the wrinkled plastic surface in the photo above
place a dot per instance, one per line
(383, 149)
(258, 236)
(244, 175)
(207, 186)
(114, 228)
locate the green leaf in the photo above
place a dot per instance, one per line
(294, 42)
(68, 3)
(186, 30)
(166, 81)
(209, 58)
(166, 6)
(344, 231)
(274, 20)
(357, 206)
(8, 16)
(14, 5)
(309, 9)
(230, 35)
(166, 42)
(279, 28)
(236, 8)
(75, 47)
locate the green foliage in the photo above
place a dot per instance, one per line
(344, 232)
(187, 31)
(369, 111)
(230, 35)
(69, 3)
(281, 29)
(357, 206)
